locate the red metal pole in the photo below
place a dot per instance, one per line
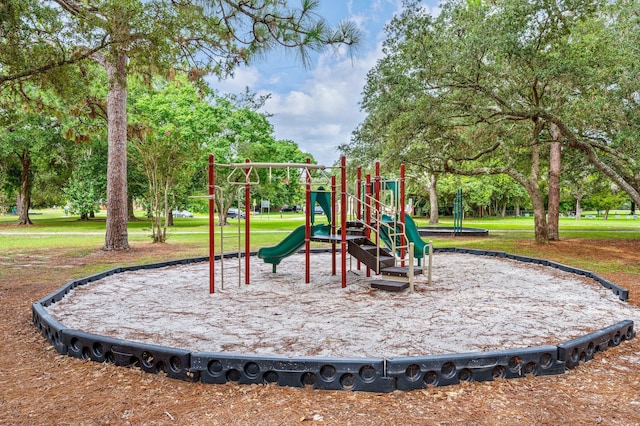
(359, 193)
(333, 224)
(307, 228)
(343, 218)
(402, 218)
(247, 224)
(377, 197)
(212, 226)
(359, 201)
(367, 212)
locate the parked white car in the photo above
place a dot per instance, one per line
(233, 213)
(182, 213)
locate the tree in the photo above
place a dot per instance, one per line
(423, 181)
(37, 46)
(508, 193)
(136, 36)
(607, 197)
(170, 124)
(81, 191)
(477, 88)
(33, 143)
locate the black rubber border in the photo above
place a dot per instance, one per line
(354, 374)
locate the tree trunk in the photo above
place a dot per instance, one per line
(434, 217)
(166, 209)
(222, 205)
(555, 163)
(503, 212)
(24, 198)
(131, 216)
(578, 209)
(539, 217)
(606, 214)
(533, 188)
(116, 237)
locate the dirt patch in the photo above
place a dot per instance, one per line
(39, 386)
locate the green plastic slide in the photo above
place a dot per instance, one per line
(413, 235)
(322, 198)
(290, 244)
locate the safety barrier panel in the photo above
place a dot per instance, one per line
(175, 363)
(583, 349)
(49, 327)
(357, 374)
(441, 370)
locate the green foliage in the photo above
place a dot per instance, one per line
(40, 40)
(490, 195)
(35, 159)
(248, 134)
(170, 124)
(82, 195)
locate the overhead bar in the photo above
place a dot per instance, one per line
(276, 165)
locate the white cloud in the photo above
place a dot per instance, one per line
(322, 115)
(243, 77)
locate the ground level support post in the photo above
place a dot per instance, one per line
(343, 218)
(212, 227)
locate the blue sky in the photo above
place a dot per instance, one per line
(318, 107)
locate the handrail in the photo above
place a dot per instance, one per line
(395, 228)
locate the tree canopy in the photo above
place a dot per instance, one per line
(476, 90)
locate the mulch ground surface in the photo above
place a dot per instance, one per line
(39, 386)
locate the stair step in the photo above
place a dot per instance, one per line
(386, 261)
(389, 285)
(400, 271)
(373, 249)
(400, 279)
(365, 251)
(354, 231)
(355, 224)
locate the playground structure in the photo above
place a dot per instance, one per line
(373, 226)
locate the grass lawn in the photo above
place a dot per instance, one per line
(53, 230)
